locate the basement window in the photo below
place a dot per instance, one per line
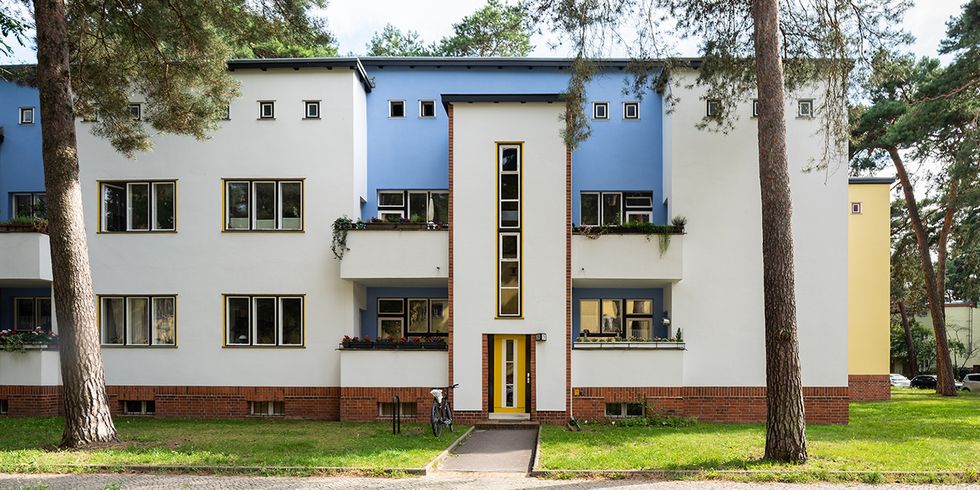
(4, 407)
(409, 409)
(266, 409)
(139, 407)
(624, 410)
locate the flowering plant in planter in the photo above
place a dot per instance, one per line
(17, 341)
(356, 342)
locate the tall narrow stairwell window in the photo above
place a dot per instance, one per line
(510, 163)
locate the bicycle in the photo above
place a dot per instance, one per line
(442, 411)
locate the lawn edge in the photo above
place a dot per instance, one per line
(429, 468)
(33, 468)
(865, 476)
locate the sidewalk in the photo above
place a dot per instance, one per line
(506, 451)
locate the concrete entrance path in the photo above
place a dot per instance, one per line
(493, 451)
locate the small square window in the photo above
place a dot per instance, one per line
(267, 110)
(396, 108)
(427, 108)
(139, 407)
(805, 108)
(312, 109)
(600, 110)
(855, 208)
(226, 115)
(714, 108)
(755, 107)
(634, 409)
(631, 110)
(136, 111)
(266, 409)
(614, 409)
(26, 115)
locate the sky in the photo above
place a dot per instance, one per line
(354, 21)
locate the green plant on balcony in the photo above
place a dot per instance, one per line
(14, 341)
(341, 226)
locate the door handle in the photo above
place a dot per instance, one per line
(528, 378)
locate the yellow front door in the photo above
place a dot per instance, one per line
(510, 373)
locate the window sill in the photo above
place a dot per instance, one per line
(408, 226)
(233, 346)
(311, 118)
(265, 119)
(263, 231)
(136, 232)
(629, 345)
(119, 346)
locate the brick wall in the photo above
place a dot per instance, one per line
(710, 403)
(863, 387)
(361, 404)
(32, 401)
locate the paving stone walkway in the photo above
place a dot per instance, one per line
(493, 451)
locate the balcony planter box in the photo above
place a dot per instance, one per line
(404, 226)
(627, 230)
(434, 345)
(630, 345)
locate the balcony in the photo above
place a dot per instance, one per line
(26, 259)
(371, 368)
(34, 367)
(397, 257)
(632, 367)
(623, 259)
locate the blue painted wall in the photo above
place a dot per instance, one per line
(657, 294)
(412, 153)
(21, 166)
(7, 296)
(369, 317)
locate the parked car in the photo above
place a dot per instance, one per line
(899, 381)
(929, 381)
(971, 382)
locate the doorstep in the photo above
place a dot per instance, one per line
(509, 417)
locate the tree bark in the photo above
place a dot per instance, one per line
(785, 423)
(87, 417)
(945, 384)
(911, 360)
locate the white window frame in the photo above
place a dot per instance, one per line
(390, 313)
(254, 320)
(307, 104)
(279, 194)
(857, 207)
(626, 108)
(602, 208)
(716, 103)
(391, 318)
(153, 205)
(384, 213)
(252, 199)
(271, 104)
(143, 407)
(35, 200)
(228, 319)
(149, 319)
(227, 114)
(25, 111)
(428, 204)
(400, 193)
(150, 308)
(501, 260)
(151, 211)
(520, 191)
(647, 201)
(391, 105)
(253, 207)
(129, 206)
(138, 114)
(804, 103)
(408, 318)
(755, 107)
(422, 102)
(595, 110)
(270, 410)
(153, 316)
(302, 321)
(648, 214)
(598, 216)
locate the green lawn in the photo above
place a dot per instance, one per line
(28, 445)
(915, 431)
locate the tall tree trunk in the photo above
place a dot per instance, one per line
(87, 418)
(785, 424)
(911, 360)
(945, 384)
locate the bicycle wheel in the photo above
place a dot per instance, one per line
(447, 416)
(436, 420)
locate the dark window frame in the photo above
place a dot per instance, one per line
(624, 317)
(271, 104)
(307, 104)
(595, 110)
(23, 111)
(405, 315)
(626, 108)
(423, 103)
(39, 202)
(136, 115)
(624, 207)
(392, 103)
(36, 311)
(713, 108)
(404, 211)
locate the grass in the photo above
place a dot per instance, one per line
(261, 445)
(916, 431)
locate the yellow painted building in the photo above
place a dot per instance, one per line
(868, 282)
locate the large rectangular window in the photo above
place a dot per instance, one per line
(628, 318)
(615, 208)
(264, 320)
(412, 317)
(28, 205)
(510, 162)
(32, 314)
(263, 205)
(419, 206)
(138, 206)
(138, 320)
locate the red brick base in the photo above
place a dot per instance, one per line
(865, 387)
(710, 403)
(362, 403)
(32, 401)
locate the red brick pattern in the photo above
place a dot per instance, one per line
(361, 404)
(824, 405)
(865, 387)
(32, 401)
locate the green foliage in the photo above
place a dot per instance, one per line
(13, 27)
(493, 30)
(13, 341)
(172, 54)
(923, 341)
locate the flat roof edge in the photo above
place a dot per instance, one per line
(870, 180)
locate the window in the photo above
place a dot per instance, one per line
(396, 108)
(266, 409)
(264, 320)
(427, 108)
(263, 205)
(267, 109)
(4, 407)
(32, 313)
(411, 317)
(138, 320)
(26, 115)
(408, 409)
(855, 208)
(755, 107)
(631, 110)
(312, 109)
(136, 111)
(805, 108)
(509, 243)
(624, 409)
(420, 206)
(139, 407)
(616, 317)
(714, 108)
(227, 113)
(600, 110)
(138, 206)
(610, 208)
(28, 205)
